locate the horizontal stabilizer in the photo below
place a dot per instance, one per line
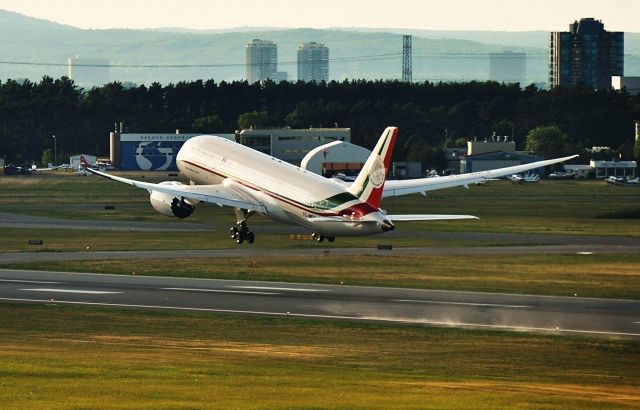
(432, 217)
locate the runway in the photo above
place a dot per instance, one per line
(545, 314)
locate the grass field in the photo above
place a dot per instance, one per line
(551, 207)
(62, 357)
(70, 357)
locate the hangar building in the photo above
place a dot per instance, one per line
(289, 144)
(157, 152)
(498, 159)
(147, 151)
(497, 152)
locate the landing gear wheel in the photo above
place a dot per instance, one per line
(242, 234)
(331, 238)
(319, 238)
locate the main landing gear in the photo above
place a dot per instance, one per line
(320, 238)
(241, 233)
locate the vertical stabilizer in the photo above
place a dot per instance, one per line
(369, 184)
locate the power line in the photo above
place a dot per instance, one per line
(334, 60)
(337, 60)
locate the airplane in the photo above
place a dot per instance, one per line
(227, 173)
(613, 180)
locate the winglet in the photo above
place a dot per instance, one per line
(83, 162)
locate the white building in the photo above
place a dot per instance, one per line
(261, 60)
(313, 62)
(88, 72)
(289, 144)
(604, 169)
(632, 84)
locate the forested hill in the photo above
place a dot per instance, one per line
(438, 56)
(430, 116)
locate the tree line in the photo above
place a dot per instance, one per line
(431, 116)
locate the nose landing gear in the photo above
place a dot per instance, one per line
(320, 238)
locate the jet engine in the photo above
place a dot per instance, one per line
(170, 205)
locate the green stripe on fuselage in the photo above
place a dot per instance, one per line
(333, 202)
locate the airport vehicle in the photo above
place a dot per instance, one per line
(519, 179)
(226, 173)
(563, 175)
(16, 170)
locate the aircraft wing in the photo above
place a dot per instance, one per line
(394, 218)
(422, 185)
(427, 217)
(217, 194)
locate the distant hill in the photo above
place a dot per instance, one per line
(354, 53)
(16, 21)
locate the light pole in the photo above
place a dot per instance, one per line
(55, 150)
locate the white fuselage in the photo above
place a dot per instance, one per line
(289, 193)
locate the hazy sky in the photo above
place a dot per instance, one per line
(510, 15)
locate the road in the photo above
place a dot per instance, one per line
(546, 314)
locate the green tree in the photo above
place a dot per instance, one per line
(208, 124)
(47, 157)
(547, 141)
(252, 119)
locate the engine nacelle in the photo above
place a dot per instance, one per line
(170, 205)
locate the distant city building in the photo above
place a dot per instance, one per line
(508, 67)
(88, 72)
(281, 76)
(631, 84)
(313, 62)
(261, 60)
(586, 54)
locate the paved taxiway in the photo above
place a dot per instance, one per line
(247, 251)
(559, 315)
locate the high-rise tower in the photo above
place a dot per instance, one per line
(586, 54)
(313, 62)
(261, 60)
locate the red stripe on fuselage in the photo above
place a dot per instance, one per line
(356, 211)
